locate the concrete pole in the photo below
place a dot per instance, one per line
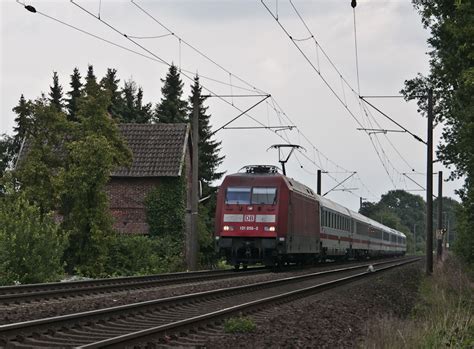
(429, 187)
(318, 191)
(193, 239)
(439, 236)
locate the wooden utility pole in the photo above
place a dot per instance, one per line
(193, 237)
(439, 234)
(429, 187)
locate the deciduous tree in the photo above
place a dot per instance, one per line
(452, 78)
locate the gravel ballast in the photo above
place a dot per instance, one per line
(11, 313)
(333, 319)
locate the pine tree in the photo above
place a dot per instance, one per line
(209, 158)
(172, 109)
(91, 86)
(110, 83)
(128, 98)
(74, 94)
(56, 93)
(144, 112)
(23, 123)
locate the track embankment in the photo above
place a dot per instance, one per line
(183, 315)
(336, 318)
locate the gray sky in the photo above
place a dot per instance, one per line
(243, 38)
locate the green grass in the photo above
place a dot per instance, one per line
(239, 325)
(442, 318)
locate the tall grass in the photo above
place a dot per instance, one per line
(442, 318)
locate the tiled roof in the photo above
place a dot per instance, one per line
(158, 150)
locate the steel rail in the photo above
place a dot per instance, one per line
(10, 294)
(140, 336)
(7, 332)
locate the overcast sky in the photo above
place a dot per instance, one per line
(243, 37)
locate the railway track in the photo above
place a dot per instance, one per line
(36, 292)
(138, 323)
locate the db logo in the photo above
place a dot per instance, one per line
(249, 218)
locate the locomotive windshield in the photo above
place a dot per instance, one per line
(238, 195)
(263, 196)
(247, 195)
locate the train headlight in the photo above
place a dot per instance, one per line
(227, 228)
(217, 238)
(269, 228)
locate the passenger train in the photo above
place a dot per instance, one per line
(265, 217)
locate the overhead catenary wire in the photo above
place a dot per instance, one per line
(158, 59)
(210, 59)
(310, 62)
(375, 144)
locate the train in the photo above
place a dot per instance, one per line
(265, 217)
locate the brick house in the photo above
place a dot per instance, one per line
(158, 150)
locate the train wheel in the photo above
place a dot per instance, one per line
(236, 266)
(244, 266)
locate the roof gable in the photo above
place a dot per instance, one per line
(158, 150)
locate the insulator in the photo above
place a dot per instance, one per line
(30, 8)
(353, 3)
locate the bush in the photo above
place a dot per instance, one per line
(239, 325)
(141, 255)
(31, 244)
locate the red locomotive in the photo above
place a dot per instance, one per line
(265, 217)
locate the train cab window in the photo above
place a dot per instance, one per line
(264, 196)
(238, 195)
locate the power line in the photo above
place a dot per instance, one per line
(381, 154)
(221, 67)
(162, 61)
(392, 120)
(194, 48)
(309, 61)
(89, 33)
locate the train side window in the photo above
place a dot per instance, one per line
(264, 196)
(238, 195)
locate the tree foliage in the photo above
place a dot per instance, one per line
(452, 78)
(73, 145)
(40, 171)
(31, 243)
(67, 166)
(74, 94)
(56, 93)
(172, 108)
